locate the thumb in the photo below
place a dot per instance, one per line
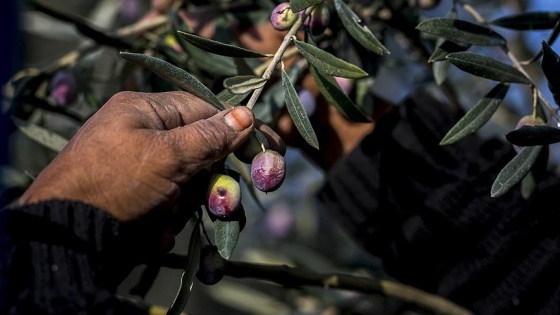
(208, 140)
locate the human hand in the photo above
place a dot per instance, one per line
(131, 158)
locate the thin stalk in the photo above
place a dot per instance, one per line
(279, 54)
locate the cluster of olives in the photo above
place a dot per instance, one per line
(282, 17)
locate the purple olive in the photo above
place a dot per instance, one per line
(224, 195)
(129, 12)
(64, 88)
(268, 170)
(212, 266)
(319, 19)
(282, 17)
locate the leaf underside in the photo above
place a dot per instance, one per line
(41, 135)
(515, 171)
(226, 234)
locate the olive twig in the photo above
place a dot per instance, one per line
(290, 276)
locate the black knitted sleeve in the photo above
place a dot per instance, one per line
(426, 210)
(61, 257)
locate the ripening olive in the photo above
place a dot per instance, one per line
(268, 170)
(224, 195)
(319, 19)
(64, 87)
(282, 17)
(212, 266)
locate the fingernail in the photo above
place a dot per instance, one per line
(239, 118)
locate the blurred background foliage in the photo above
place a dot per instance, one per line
(293, 230)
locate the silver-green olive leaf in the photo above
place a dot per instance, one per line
(297, 112)
(176, 76)
(360, 32)
(477, 116)
(328, 63)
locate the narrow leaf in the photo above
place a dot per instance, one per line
(233, 99)
(41, 135)
(361, 33)
(528, 186)
(477, 116)
(440, 70)
(226, 234)
(550, 66)
(244, 83)
(461, 31)
(445, 48)
(534, 135)
(327, 63)
(212, 63)
(336, 97)
(187, 278)
(219, 48)
(146, 281)
(486, 67)
(297, 112)
(242, 67)
(528, 21)
(300, 5)
(515, 170)
(176, 76)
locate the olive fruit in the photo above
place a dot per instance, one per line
(319, 19)
(211, 268)
(268, 170)
(528, 120)
(64, 87)
(224, 195)
(282, 17)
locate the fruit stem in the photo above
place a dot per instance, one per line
(535, 100)
(278, 55)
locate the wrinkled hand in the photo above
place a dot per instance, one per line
(133, 155)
